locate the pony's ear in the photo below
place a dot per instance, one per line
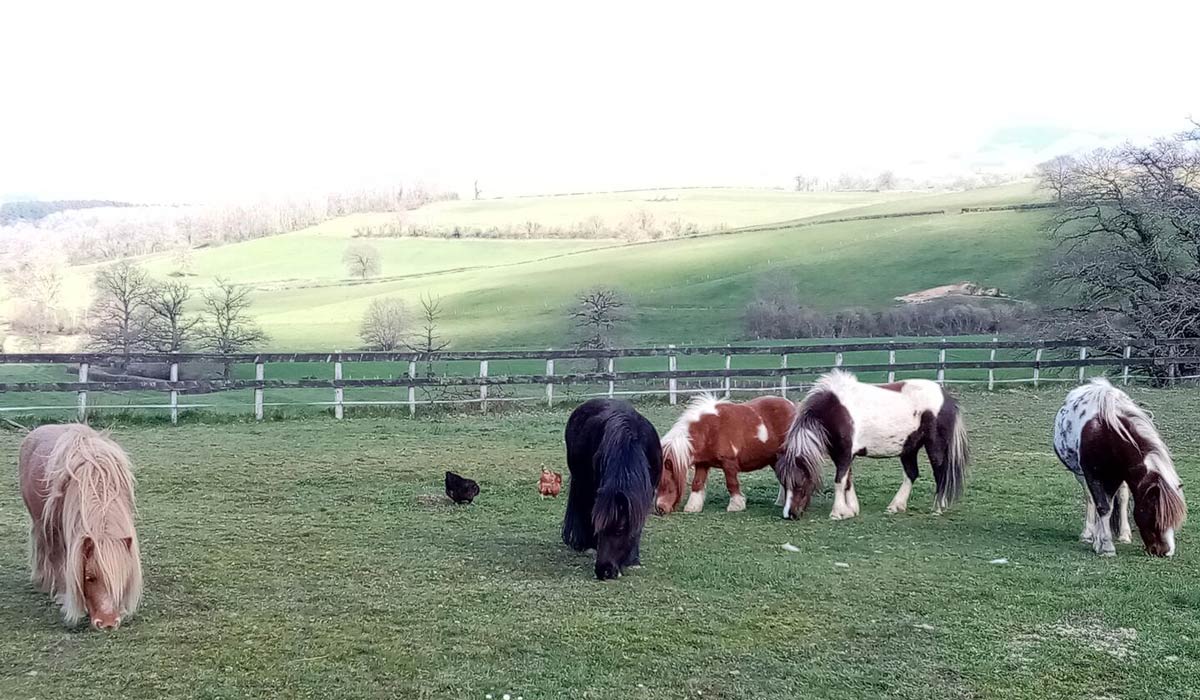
(128, 543)
(558, 478)
(89, 547)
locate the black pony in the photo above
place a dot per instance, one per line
(615, 459)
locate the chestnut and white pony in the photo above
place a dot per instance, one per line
(714, 433)
(842, 418)
(83, 549)
(1111, 446)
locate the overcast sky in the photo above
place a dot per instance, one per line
(210, 100)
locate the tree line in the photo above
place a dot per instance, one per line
(133, 313)
(80, 236)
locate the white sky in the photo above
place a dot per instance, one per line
(174, 101)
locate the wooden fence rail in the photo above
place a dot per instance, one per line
(1163, 358)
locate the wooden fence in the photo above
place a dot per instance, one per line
(1164, 360)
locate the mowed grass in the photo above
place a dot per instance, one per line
(314, 559)
(517, 293)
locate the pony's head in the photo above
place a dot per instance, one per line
(107, 581)
(671, 486)
(1159, 510)
(92, 505)
(618, 532)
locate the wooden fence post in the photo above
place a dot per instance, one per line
(1172, 353)
(783, 377)
(892, 362)
(174, 393)
(837, 360)
(259, 375)
(1037, 367)
(672, 385)
(992, 370)
(338, 394)
(1082, 367)
(412, 390)
(941, 375)
(483, 387)
(550, 383)
(611, 383)
(83, 377)
(1125, 369)
(728, 379)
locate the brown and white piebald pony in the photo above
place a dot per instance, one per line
(1111, 446)
(842, 418)
(715, 433)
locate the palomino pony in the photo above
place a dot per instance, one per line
(733, 437)
(616, 461)
(842, 418)
(83, 550)
(1111, 446)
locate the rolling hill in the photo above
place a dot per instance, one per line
(508, 293)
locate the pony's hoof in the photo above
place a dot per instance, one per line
(1108, 552)
(1125, 539)
(841, 516)
(736, 504)
(896, 509)
(1086, 537)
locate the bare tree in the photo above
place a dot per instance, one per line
(599, 318)
(226, 327)
(886, 180)
(477, 190)
(1055, 173)
(384, 325)
(362, 260)
(169, 328)
(429, 341)
(1128, 258)
(119, 315)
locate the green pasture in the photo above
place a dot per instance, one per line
(517, 293)
(317, 559)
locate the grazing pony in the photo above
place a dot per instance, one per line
(842, 418)
(1111, 446)
(83, 550)
(615, 461)
(733, 437)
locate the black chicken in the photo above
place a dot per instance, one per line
(460, 489)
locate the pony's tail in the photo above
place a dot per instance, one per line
(677, 459)
(958, 454)
(799, 465)
(625, 491)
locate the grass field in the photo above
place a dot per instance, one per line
(512, 293)
(313, 559)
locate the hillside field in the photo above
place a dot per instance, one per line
(514, 293)
(316, 559)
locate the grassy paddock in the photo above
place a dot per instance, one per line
(313, 559)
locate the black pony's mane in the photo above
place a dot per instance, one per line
(624, 492)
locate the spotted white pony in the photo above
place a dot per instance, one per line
(1112, 447)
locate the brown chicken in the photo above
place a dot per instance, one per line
(550, 484)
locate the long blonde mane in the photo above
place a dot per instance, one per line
(1115, 404)
(91, 496)
(677, 443)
